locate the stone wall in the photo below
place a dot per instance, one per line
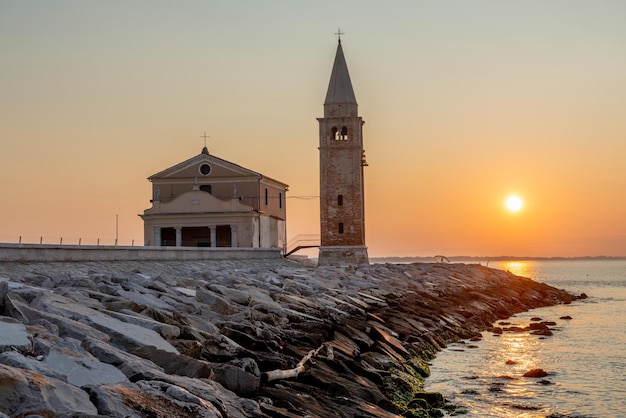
(44, 252)
(355, 255)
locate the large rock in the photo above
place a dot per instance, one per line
(236, 379)
(536, 373)
(110, 400)
(20, 361)
(134, 367)
(219, 348)
(215, 302)
(165, 330)
(13, 335)
(150, 399)
(82, 370)
(128, 335)
(67, 327)
(24, 393)
(234, 295)
(121, 333)
(228, 403)
(176, 363)
(145, 299)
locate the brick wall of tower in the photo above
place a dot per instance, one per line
(341, 173)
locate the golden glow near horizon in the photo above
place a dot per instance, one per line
(463, 101)
(519, 268)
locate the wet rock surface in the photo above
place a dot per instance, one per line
(251, 338)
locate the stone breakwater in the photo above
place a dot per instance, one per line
(239, 338)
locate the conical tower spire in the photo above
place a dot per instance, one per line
(342, 208)
(340, 98)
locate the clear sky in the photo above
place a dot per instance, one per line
(465, 103)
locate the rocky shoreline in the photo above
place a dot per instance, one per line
(256, 338)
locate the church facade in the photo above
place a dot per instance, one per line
(206, 201)
(342, 159)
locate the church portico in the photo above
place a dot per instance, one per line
(197, 236)
(226, 230)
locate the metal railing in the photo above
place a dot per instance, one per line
(302, 241)
(43, 240)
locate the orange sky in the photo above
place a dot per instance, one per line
(465, 103)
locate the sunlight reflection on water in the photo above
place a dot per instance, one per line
(519, 268)
(584, 359)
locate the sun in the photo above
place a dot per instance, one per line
(514, 203)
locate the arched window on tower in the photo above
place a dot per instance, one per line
(340, 200)
(344, 133)
(341, 227)
(334, 133)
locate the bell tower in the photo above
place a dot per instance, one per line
(342, 208)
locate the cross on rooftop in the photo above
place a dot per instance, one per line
(205, 136)
(339, 33)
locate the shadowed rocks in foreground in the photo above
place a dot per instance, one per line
(239, 339)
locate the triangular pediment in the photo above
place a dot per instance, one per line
(197, 167)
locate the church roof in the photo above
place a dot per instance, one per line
(340, 87)
(204, 156)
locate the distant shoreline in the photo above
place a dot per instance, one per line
(498, 258)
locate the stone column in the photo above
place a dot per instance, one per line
(233, 236)
(157, 236)
(213, 236)
(179, 236)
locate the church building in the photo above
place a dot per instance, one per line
(206, 201)
(342, 158)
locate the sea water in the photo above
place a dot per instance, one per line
(585, 358)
